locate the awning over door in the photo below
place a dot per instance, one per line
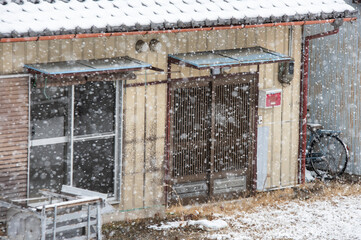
(228, 58)
(82, 71)
(90, 66)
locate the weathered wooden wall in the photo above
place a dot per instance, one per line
(13, 137)
(334, 80)
(283, 122)
(145, 106)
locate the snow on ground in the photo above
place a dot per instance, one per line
(337, 218)
(334, 218)
(310, 176)
(202, 224)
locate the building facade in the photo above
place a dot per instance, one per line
(156, 116)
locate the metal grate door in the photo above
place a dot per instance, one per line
(212, 137)
(190, 132)
(232, 127)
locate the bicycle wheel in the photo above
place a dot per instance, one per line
(331, 156)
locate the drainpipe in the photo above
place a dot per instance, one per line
(304, 92)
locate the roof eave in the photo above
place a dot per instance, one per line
(181, 26)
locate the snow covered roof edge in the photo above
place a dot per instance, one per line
(31, 18)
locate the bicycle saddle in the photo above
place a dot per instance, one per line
(314, 125)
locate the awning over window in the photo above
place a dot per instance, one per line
(82, 71)
(97, 66)
(228, 58)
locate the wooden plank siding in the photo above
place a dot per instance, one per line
(334, 78)
(145, 106)
(13, 137)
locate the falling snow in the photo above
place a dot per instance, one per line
(127, 137)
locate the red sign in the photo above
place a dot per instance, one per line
(273, 99)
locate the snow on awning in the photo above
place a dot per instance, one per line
(228, 58)
(96, 66)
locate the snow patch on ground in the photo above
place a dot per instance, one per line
(202, 224)
(310, 176)
(337, 218)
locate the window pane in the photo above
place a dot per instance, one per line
(94, 108)
(47, 167)
(49, 112)
(94, 165)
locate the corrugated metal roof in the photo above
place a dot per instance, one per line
(47, 17)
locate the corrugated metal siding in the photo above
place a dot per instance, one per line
(334, 84)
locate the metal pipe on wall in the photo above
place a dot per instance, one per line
(168, 132)
(290, 41)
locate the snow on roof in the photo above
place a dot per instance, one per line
(47, 17)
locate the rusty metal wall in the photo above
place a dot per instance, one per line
(334, 84)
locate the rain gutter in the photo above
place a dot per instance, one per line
(94, 35)
(303, 100)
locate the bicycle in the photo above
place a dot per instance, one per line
(326, 154)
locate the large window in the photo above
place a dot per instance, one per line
(74, 132)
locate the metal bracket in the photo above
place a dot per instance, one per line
(337, 23)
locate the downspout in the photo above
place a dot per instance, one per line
(304, 93)
(168, 132)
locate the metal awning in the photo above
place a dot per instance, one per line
(228, 58)
(105, 65)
